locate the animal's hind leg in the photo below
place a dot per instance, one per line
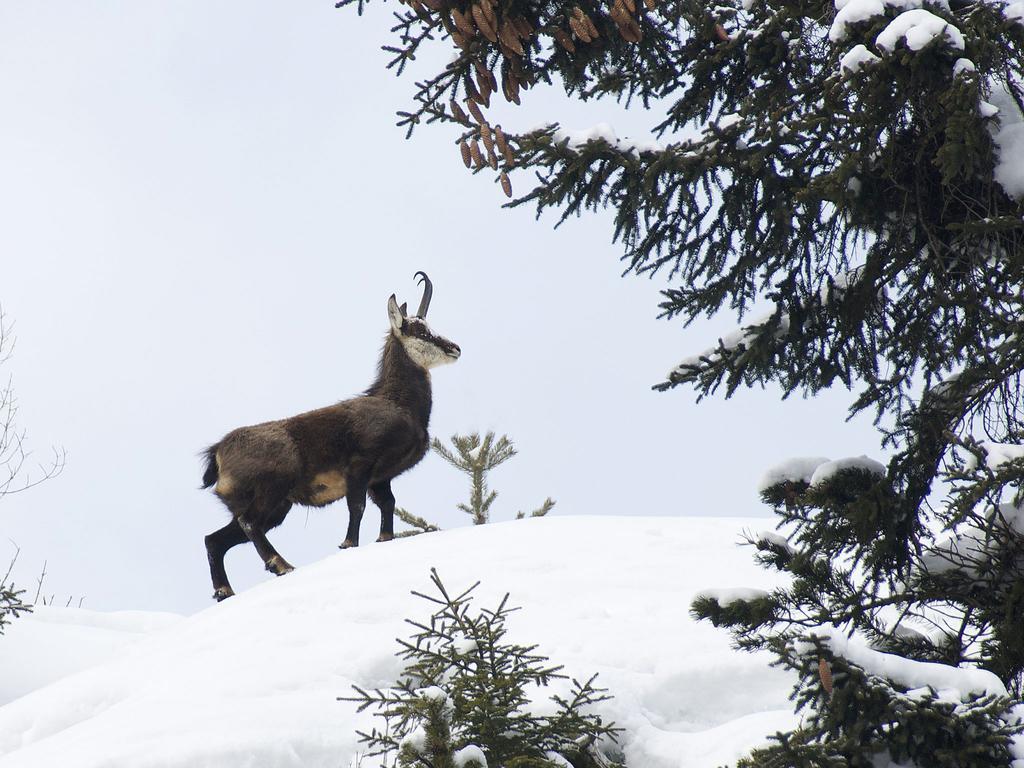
(381, 495)
(217, 545)
(256, 533)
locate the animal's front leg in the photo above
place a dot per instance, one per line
(382, 496)
(356, 498)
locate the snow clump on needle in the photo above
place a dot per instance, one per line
(728, 596)
(971, 548)
(995, 454)
(831, 468)
(465, 646)
(799, 469)
(856, 58)
(1008, 137)
(468, 754)
(855, 11)
(918, 27)
(576, 140)
(950, 683)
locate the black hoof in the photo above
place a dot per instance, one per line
(348, 544)
(223, 593)
(279, 566)
(386, 537)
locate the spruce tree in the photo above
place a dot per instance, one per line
(846, 177)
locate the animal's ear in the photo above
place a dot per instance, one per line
(405, 310)
(395, 314)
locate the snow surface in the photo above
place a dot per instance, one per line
(252, 682)
(66, 640)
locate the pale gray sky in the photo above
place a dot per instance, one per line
(205, 206)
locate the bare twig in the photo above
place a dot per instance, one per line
(13, 453)
(39, 584)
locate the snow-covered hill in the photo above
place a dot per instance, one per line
(51, 643)
(253, 681)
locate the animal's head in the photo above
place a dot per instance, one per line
(426, 348)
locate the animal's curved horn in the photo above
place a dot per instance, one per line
(428, 290)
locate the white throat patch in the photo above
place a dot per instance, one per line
(423, 353)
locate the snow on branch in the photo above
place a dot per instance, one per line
(799, 469)
(775, 321)
(996, 454)
(1008, 136)
(830, 469)
(918, 27)
(732, 343)
(728, 596)
(576, 140)
(958, 683)
(973, 548)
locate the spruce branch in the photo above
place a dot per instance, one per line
(418, 523)
(542, 510)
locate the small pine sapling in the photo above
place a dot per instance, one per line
(13, 475)
(11, 605)
(462, 700)
(474, 456)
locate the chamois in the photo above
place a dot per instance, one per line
(345, 450)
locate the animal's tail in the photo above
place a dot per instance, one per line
(210, 475)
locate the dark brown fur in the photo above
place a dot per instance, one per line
(353, 448)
